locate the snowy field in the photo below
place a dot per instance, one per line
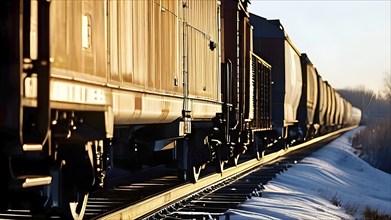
(326, 185)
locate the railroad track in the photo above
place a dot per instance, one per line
(164, 197)
(213, 202)
(171, 201)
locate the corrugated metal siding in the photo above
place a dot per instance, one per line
(137, 48)
(203, 62)
(145, 45)
(66, 38)
(145, 41)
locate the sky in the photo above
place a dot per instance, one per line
(311, 188)
(347, 41)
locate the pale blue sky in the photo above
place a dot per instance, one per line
(348, 41)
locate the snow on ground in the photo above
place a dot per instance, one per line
(305, 191)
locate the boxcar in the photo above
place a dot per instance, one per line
(78, 73)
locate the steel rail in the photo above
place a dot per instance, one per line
(166, 198)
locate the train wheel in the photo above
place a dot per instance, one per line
(260, 154)
(236, 159)
(220, 166)
(196, 173)
(77, 208)
(77, 179)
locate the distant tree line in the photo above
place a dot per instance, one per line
(373, 143)
(374, 107)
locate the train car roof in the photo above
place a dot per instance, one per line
(305, 57)
(264, 28)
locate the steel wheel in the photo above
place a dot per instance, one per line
(220, 166)
(196, 173)
(260, 155)
(77, 179)
(77, 208)
(236, 159)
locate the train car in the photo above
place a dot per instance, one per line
(347, 113)
(88, 85)
(356, 117)
(82, 79)
(330, 108)
(307, 113)
(338, 110)
(236, 55)
(273, 44)
(341, 113)
(322, 105)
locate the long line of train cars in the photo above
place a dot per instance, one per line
(88, 86)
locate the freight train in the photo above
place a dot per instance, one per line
(91, 85)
